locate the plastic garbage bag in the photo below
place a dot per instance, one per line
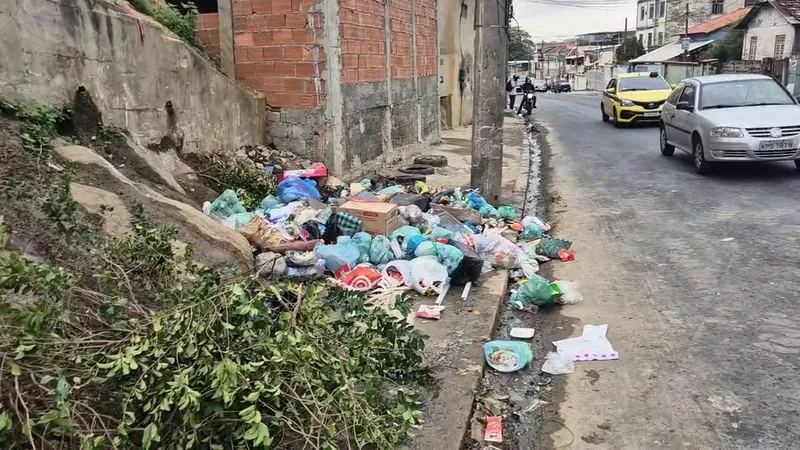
(226, 205)
(427, 275)
(269, 263)
(497, 250)
(421, 201)
(364, 242)
(411, 245)
(447, 255)
(238, 221)
(533, 220)
(533, 294)
(528, 265)
(366, 196)
(420, 187)
(507, 356)
(509, 213)
(314, 271)
(344, 252)
(269, 202)
(556, 365)
(569, 292)
(532, 229)
(550, 246)
(301, 259)
(411, 213)
(399, 271)
(380, 251)
(282, 213)
(480, 204)
(390, 190)
(440, 233)
(469, 270)
(295, 188)
(405, 232)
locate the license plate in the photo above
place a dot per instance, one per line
(783, 144)
(652, 114)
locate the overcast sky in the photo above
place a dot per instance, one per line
(555, 22)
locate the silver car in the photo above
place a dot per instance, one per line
(731, 118)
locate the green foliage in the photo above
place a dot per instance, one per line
(184, 25)
(630, 49)
(728, 48)
(39, 123)
(156, 351)
(62, 209)
(250, 182)
(520, 45)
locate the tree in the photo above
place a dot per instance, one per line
(728, 48)
(520, 45)
(629, 50)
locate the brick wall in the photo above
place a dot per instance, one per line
(363, 40)
(427, 44)
(208, 32)
(402, 41)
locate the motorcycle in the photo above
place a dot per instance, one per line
(528, 102)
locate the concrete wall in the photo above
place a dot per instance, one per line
(50, 48)
(768, 24)
(456, 58)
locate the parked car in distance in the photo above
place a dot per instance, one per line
(634, 97)
(731, 118)
(562, 86)
(540, 85)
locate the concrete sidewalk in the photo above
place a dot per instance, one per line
(455, 348)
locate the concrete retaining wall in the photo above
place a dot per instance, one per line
(131, 66)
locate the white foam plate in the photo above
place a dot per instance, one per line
(522, 333)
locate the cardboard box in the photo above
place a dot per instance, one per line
(377, 218)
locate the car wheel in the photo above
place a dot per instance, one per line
(797, 163)
(666, 149)
(701, 166)
(603, 112)
(616, 118)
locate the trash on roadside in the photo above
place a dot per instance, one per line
(427, 275)
(317, 170)
(590, 346)
(376, 218)
(497, 250)
(569, 292)
(360, 279)
(380, 251)
(566, 255)
(507, 356)
(509, 213)
(535, 404)
(555, 364)
(344, 252)
(260, 234)
(227, 204)
(295, 188)
(364, 242)
(522, 333)
(433, 312)
(399, 271)
(533, 294)
(494, 430)
(550, 247)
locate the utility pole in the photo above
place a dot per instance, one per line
(491, 62)
(685, 40)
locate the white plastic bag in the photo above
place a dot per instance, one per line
(400, 266)
(569, 292)
(528, 220)
(411, 213)
(556, 365)
(428, 277)
(498, 250)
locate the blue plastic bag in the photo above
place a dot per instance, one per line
(480, 204)
(296, 188)
(412, 244)
(339, 254)
(364, 242)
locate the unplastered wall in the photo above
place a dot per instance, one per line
(131, 66)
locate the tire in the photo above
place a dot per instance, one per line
(666, 149)
(603, 113)
(431, 160)
(797, 163)
(701, 166)
(616, 118)
(417, 169)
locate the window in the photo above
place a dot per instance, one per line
(649, 40)
(673, 98)
(780, 45)
(642, 13)
(717, 6)
(612, 84)
(640, 39)
(739, 93)
(751, 51)
(652, 10)
(660, 38)
(687, 95)
(662, 8)
(643, 83)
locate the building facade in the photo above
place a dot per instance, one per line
(456, 20)
(771, 30)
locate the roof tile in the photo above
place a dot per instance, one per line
(725, 20)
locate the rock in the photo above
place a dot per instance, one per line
(476, 430)
(116, 221)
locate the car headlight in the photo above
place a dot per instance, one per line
(627, 103)
(727, 132)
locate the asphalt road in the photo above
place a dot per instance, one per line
(698, 278)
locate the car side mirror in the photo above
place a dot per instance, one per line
(673, 85)
(685, 106)
(610, 90)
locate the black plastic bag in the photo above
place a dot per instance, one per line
(469, 270)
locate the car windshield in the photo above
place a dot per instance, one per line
(735, 94)
(642, 84)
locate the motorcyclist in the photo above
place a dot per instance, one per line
(526, 88)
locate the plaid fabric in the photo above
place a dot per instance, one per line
(348, 224)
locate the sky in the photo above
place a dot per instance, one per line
(547, 20)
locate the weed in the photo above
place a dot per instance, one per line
(39, 123)
(184, 25)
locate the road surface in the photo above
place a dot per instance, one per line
(698, 278)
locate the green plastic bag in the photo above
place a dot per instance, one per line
(447, 255)
(440, 233)
(406, 231)
(380, 251)
(364, 242)
(509, 213)
(532, 231)
(227, 205)
(550, 246)
(534, 294)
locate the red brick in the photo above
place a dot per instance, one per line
(240, 54)
(297, 53)
(210, 20)
(262, 6)
(279, 99)
(242, 8)
(350, 61)
(304, 69)
(257, 22)
(262, 38)
(255, 83)
(255, 54)
(284, 68)
(295, 20)
(273, 53)
(302, 36)
(304, 101)
(265, 68)
(274, 21)
(281, 6)
(243, 39)
(282, 37)
(352, 32)
(297, 5)
(244, 69)
(294, 85)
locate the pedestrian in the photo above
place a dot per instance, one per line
(512, 87)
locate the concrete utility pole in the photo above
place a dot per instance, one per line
(491, 61)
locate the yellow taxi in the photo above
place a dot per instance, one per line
(634, 97)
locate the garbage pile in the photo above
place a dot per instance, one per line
(380, 237)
